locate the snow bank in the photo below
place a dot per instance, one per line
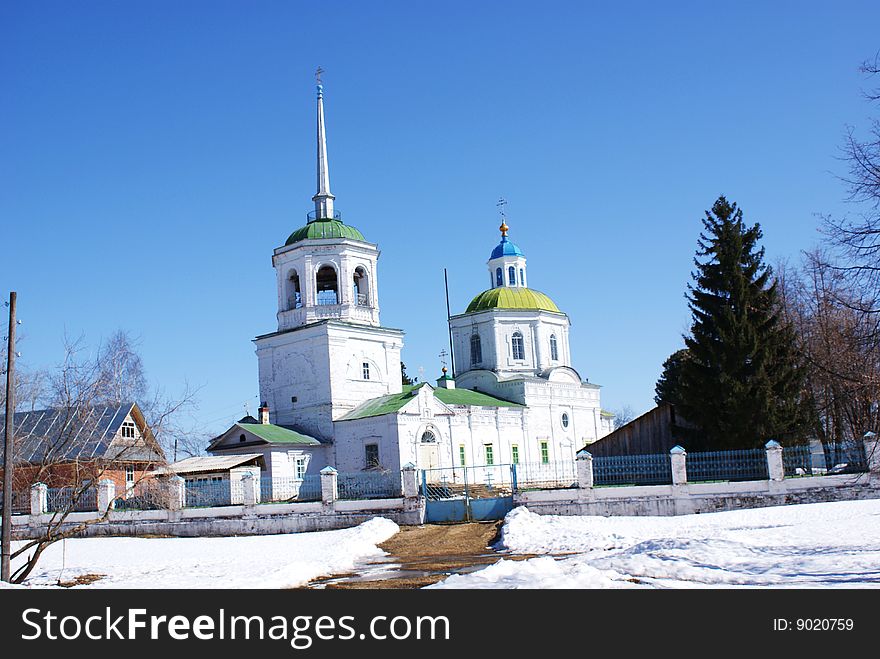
(812, 545)
(269, 561)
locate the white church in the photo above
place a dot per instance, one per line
(330, 374)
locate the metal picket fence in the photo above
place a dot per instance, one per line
(208, 493)
(797, 461)
(21, 502)
(279, 490)
(65, 499)
(369, 485)
(845, 458)
(633, 470)
(545, 475)
(733, 465)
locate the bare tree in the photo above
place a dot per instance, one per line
(856, 239)
(74, 449)
(623, 415)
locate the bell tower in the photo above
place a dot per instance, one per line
(329, 352)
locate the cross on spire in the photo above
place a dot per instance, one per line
(443, 356)
(503, 228)
(318, 73)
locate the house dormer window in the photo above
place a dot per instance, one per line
(128, 430)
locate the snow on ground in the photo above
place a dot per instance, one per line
(804, 546)
(268, 561)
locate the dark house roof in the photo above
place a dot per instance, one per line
(90, 433)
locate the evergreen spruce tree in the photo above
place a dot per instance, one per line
(740, 384)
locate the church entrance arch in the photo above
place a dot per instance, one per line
(429, 450)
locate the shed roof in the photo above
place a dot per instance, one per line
(201, 464)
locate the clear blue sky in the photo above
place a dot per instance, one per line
(153, 154)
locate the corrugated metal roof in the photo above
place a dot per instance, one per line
(200, 464)
(394, 402)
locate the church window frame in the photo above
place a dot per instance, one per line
(462, 456)
(554, 348)
(522, 277)
(428, 437)
(365, 370)
(294, 290)
(326, 287)
(517, 346)
(545, 452)
(490, 454)
(514, 454)
(476, 350)
(361, 286)
(511, 276)
(564, 419)
(499, 277)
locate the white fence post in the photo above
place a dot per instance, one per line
(106, 494)
(872, 452)
(775, 467)
(250, 489)
(176, 493)
(584, 469)
(678, 457)
(409, 481)
(329, 489)
(39, 498)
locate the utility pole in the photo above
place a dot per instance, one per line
(5, 574)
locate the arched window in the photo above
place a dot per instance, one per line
(522, 277)
(361, 287)
(476, 350)
(565, 419)
(294, 295)
(554, 350)
(428, 437)
(499, 277)
(327, 285)
(516, 344)
(511, 276)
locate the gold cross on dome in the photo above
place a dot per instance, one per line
(501, 204)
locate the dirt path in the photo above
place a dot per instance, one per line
(423, 555)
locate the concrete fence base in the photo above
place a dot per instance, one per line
(685, 499)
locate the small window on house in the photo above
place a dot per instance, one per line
(490, 454)
(300, 468)
(366, 370)
(129, 477)
(499, 277)
(511, 276)
(516, 344)
(461, 455)
(514, 454)
(554, 349)
(371, 455)
(242, 438)
(128, 429)
(476, 350)
(545, 453)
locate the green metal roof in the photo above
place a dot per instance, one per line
(468, 397)
(394, 402)
(511, 297)
(325, 228)
(277, 434)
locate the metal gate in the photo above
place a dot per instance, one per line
(468, 494)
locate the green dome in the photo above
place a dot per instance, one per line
(325, 228)
(506, 297)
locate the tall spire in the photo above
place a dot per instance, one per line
(323, 198)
